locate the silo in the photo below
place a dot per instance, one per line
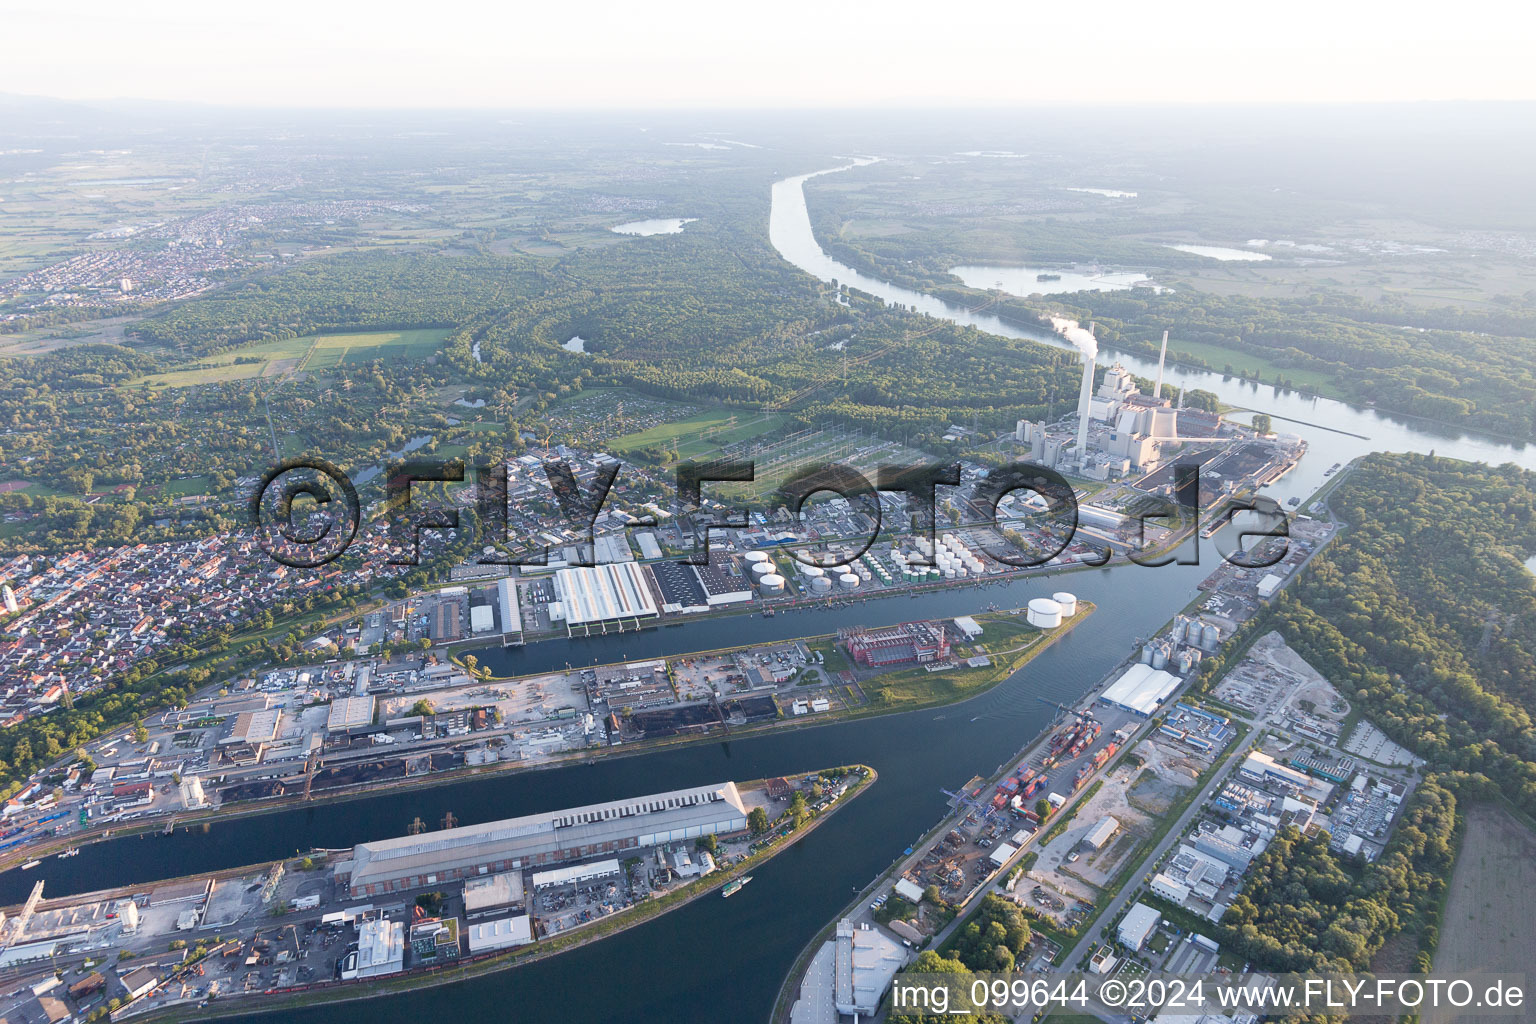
(1044, 613)
(848, 580)
(1180, 628)
(1210, 636)
(1067, 601)
(1159, 656)
(1146, 655)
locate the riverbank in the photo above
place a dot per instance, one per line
(325, 993)
(919, 690)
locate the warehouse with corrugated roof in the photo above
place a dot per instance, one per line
(554, 837)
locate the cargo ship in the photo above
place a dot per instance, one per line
(733, 887)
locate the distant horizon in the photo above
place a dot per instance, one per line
(796, 54)
(1107, 106)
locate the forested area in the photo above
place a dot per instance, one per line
(1423, 616)
(1469, 365)
(1304, 909)
(424, 287)
(1453, 372)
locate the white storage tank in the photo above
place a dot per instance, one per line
(1146, 655)
(1067, 601)
(1159, 656)
(813, 571)
(820, 584)
(848, 580)
(772, 583)
(756, 556)
(762, 568)
(1043, 613)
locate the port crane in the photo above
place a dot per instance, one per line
(1081, 716)
(965, 799)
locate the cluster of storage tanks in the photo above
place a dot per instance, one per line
(1164, 654)
(1048, 612)
(764, 573)
(947, 560)
(1192, 631)
(1185, 645)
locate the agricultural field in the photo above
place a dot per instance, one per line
(702, 433)
(312, 354)
(1483, 928)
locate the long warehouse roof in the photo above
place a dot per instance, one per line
(549, 832)
(603, 593)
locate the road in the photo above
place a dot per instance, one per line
(1174, 835)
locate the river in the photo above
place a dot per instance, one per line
(714, 958)
(1336, 431)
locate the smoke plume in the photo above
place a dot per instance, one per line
(1078, 335)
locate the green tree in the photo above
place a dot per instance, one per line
(757, 820)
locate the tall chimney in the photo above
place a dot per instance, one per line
(1157, 392)
(1085, 406)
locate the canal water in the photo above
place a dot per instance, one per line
(737, 949)
(719, 959)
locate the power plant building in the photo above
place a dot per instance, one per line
(550, 838)
(913, 642)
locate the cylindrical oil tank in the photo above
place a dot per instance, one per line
(848, 580)
(1044, 613)
(756, 556)
(1067, 601)
(772, 583)
(812, 571)
(820, 584)
(762, 568)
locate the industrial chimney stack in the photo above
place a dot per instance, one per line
(1085, 404)
(1157, 392)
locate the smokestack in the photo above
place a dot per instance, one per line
(1085, 403)
(1157, 392)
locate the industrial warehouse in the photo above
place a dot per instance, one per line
(1141, 689)
(554, 837)
(602, 594)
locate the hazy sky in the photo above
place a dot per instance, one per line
(798, 53)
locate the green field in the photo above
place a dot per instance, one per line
(703, 433)
(1249, 365)
(312, 353)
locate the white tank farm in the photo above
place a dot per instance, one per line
(1067, 601)
(756, 556)
(762, 568)
(1043, 613)
(848, 580)
(773, 583)
(820, 584)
